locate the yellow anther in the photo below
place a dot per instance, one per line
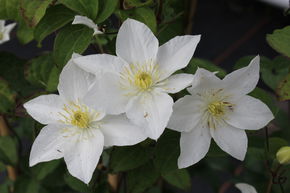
(143, 80)
(216, 108)
(80, 119)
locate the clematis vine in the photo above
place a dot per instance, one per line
(87, 22)
(77, 129)
(218, 109)
(5, 31)
(139, 79)
(246, 188)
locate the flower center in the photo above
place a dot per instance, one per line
(78, 115)
(80, 119)
(217, 108)
(143, 80)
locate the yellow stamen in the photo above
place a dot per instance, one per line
(218, 108)
(143, 80)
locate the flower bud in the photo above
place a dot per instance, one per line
(283, 155)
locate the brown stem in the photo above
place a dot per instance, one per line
(191, 12)
(270, 183)
(4, 131)
(113, 180)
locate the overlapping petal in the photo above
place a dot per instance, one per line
(177, 82)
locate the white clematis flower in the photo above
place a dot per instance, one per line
(87, 22)
(218, 109)
(5, 31)
(75, 128)
(246, 188)
(139, 79)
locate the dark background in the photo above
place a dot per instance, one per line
(230, 30)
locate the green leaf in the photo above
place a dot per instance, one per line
(136, 3)
(275, 143)
(197, 62)
(72, 38)
(279, 40)
(43, 72)
(283, 89)
(7, 97)
(24, 33)
(254, 158)
(76, 184)
(24, 184)
(179, 178)
(142, 14)
(165, 160)
(215, 151)
(41, 170)
(88, 8)
(106, 9)
(48, 24)
(9, 9)
(8, 150)
(142, 178)
(33, 10)
(127, 158)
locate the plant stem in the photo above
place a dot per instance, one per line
(270, 184)
(4, 131)
(113, 180)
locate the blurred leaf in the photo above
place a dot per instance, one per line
(88, 8)
(72, 38)
(127, 158)
(43, 72)
(136, 3)
(275, 144)
(33, 10)
(143, 14)
(106, 9)
(24, 33)
(6, 97)
(41, 170)
(265, 97)
(215, 151)
(11, 69)
(279, 40)
(9, 9)
(201, 63)
(155, 189)
(254, 160)
(76, 184)
(49, 24)
(179, 178)
(5, 186)
(169, 31)
(24, 184)
(24, 127)
(283, 89)
(167, 152)
(8, 150)
(140, 179)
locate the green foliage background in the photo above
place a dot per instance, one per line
(149, 166)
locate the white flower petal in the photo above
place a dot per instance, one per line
(73, 81)
(99, 63)
(204, 80)
(249, 113)
(193, 146)
(2, 24)
(246, 188)
(9, 27)
(136, 43)
(48, 145)
(176, 53)
(83, 154)
(107, 94)
(176, 83)
(186, 114)
(244, 80)
(45, 109)
(150, 111)
(117, 130)
(232, 140)
(87, 22)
